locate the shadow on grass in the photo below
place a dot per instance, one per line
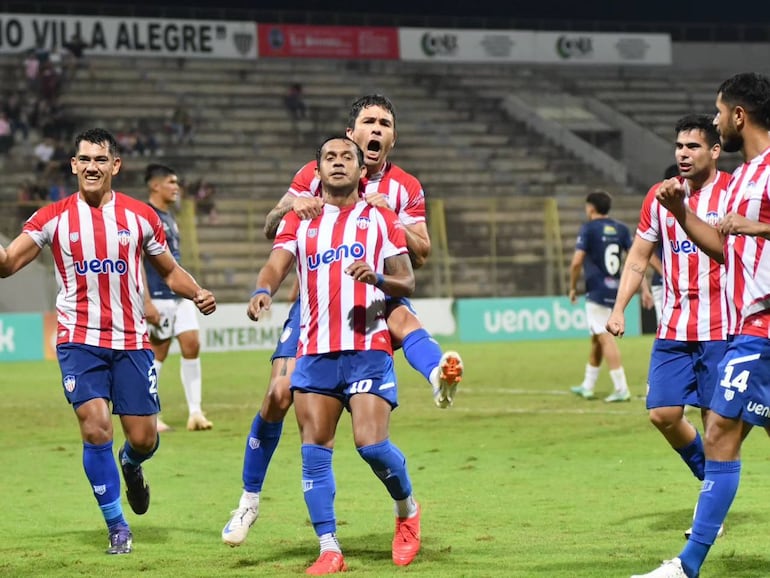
(661, 522)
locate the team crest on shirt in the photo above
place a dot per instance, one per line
(712, 218)
(670, 221)
(124, 237)
(362, 223)
(311, 233)
(74, 237)
(69, 383)
(609, 230)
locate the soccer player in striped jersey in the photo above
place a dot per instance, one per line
(691, 337)
(372, 125)
(347, 259)
(742, 391)
(602, 242)
(97, 237)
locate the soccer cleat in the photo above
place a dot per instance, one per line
(450, 373)
(241, 520)
(669, 569)
(406, 541)
(582, 392)
(137, 488)
(120, 541)
(329, 562)
(197, 422)
(617, 396)
(162, 426)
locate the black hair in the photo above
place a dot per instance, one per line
(359, 152)
(367, 101)
(701, 122)
(98, 136)
(154, 170)
(671, 171)
(751, 91)
(601, 201)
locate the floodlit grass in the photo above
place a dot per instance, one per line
(519, 479)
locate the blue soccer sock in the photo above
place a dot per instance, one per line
(422, 352)
(135, 458)
(102, 472)
(694, 456)
(388, 464)
(319, 487)
(263, 439)
(719, 488)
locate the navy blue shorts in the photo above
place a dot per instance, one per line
(346, 373)
(683, 372)
(289, 339)
(743, 390)
(125, 378)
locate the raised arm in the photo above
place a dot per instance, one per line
(181, 282)
(269, 279)
(418, 243)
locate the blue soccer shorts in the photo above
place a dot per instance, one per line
(127, 379)
(743, 389)
(288, 342)
(683, 372)
(344, 374)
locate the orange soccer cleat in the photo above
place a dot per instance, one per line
(328, 562)
(406, 541)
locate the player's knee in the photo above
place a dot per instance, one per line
(402, 322)
(278, 399)
(665, 418)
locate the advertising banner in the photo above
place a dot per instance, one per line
(343, 42)
(510, 46)
(21, 336)
(113, 36)
(530, 318)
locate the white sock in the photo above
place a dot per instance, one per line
(618, 377)
(329, 543)
(158, 366)
(190, 370)
(406, 508)
(591, 376)
(249, 500)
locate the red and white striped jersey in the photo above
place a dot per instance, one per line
(405, 195)
(694, 306)
(747, 258)
(97, 256)
(338, 313)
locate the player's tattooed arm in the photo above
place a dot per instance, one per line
(274, 217)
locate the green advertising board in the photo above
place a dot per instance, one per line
(529, 318)
(21, 336)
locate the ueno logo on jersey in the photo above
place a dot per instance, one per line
(100, 266)
(687, 247)
(356, 251)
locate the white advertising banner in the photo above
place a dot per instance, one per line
(112, 36)
(602, 48)
(229, 329)
(455, 45)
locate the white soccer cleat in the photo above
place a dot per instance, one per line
(198, 422)
(241, 520)
(669, 569)
(449, 374)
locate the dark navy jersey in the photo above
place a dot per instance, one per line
(155, 283)
(605, 242)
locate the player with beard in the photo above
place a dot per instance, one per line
(372, 125)
(742, 393)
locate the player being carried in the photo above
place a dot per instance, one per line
(372, 125)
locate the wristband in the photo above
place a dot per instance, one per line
(261, 291)
(380, 281)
